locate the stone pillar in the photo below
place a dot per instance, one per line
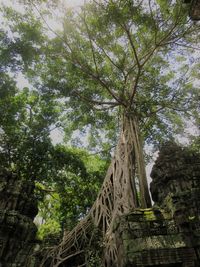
(175, 189)
(175, 185)
(195, 10)
(18, 208)
(194, 6)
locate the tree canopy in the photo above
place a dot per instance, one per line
(115, 56)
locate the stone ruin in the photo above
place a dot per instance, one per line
(168, 235)
(18, 208)
(194, 12)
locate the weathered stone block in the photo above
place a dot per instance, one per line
(17, 230)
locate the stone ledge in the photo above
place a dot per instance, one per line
(162, 256)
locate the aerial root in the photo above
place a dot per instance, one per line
(118, 195)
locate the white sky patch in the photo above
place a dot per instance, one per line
(57, 136)
(69, 3)
(22, 81)
(73, 3)
(13, 4)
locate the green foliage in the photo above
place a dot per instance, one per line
(21, 48)
(74, 181)
(28, 115)
(50, 229)
(108, 50)
(195, 144)
(26, 119)
(104, 48)
(61, 172)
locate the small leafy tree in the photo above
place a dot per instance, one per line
(70, 189)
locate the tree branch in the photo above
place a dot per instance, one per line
(95, 102)
(81, 67)
(131, 43)
(187, 46)
(135, 87)
(91, 45)
(109, 58)
(161, 42)
(152, 17)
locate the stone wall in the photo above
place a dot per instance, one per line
(18, 208)
(175, 183)
(194, 12)
(168, 235)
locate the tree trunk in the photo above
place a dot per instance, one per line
(140, 165)
(118, 195)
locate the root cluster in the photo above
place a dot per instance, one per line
(117, 196)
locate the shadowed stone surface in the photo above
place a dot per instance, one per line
(194, 12)
(18, 208)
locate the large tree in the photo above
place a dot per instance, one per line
(114, 64)
(115, 58)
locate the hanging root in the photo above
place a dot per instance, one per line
(72, 246)
(117, 196)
